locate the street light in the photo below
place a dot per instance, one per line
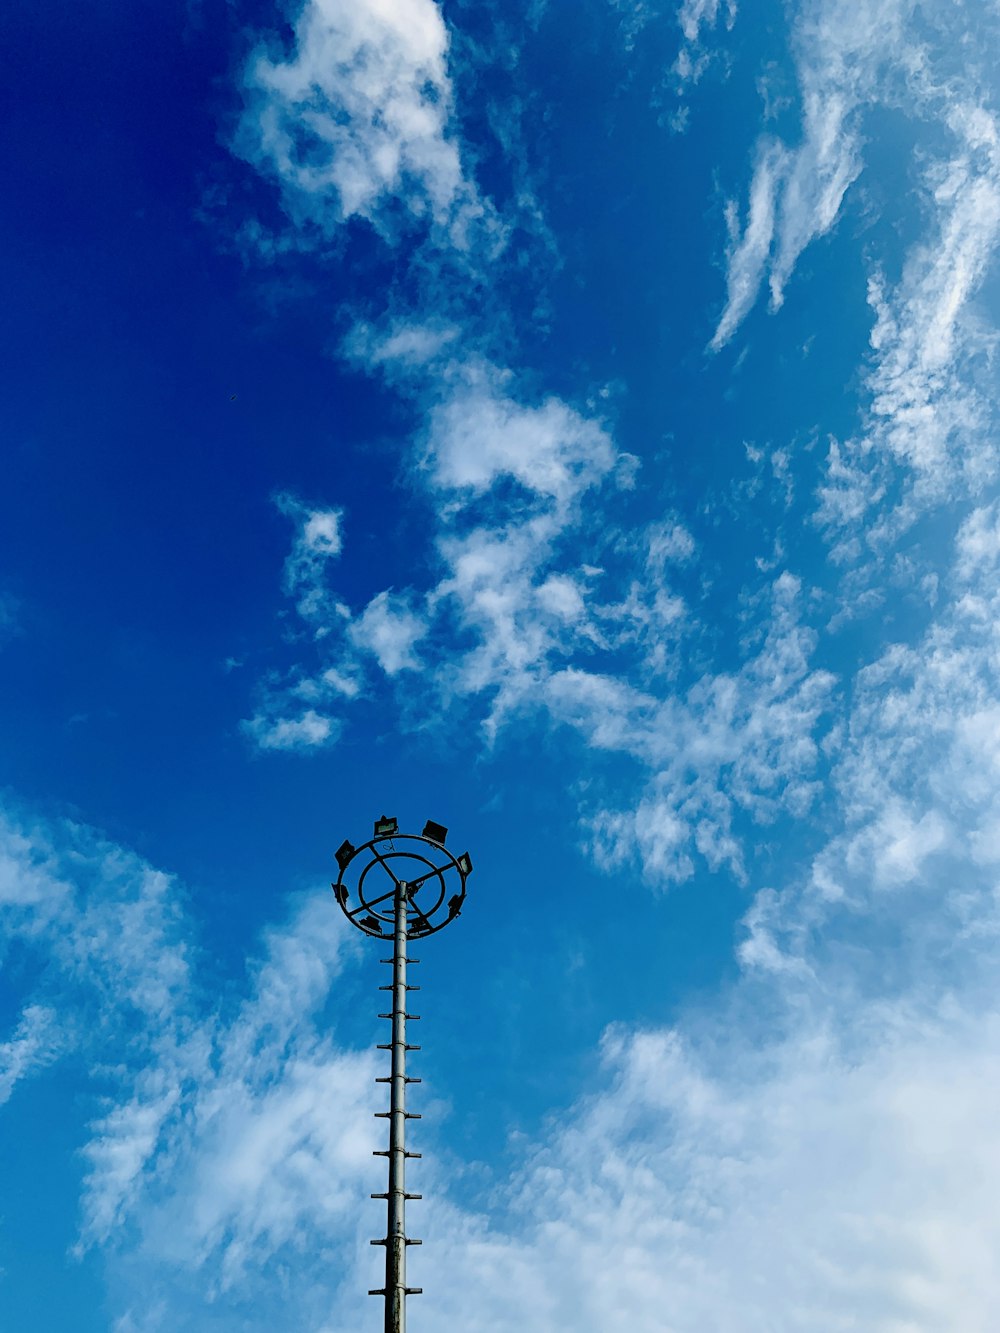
(383, 878)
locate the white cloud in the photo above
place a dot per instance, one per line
(694, 15)
(831, 1163)
(317, 541)
(850, 57)
(930, 425)
(26, 874)
(107, 931)
(306, 732)
(811, 1183)
(272, 1139)
(749, 253)
(669, 542)
(358, 114)
(925, 411)
(843, 56)
(978, 542)
(229, 1132)
(695, 18)
(743, 742)
(518, 623)
(405, 345)
(389, 630)
(479, 432)
(902, 844)
(33, 1044)
(294, 711)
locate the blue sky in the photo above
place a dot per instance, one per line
(578, 428)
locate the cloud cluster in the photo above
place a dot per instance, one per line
(358, 116)
(845, 58)
(811, 1152)
(745, 742)
(810, 1184)
(931, 418)
(927, 416)
(228, 1135)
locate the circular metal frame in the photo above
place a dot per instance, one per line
(378, 861)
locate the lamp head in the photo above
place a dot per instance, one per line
(436, 832)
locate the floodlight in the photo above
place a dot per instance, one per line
(436, 832)
(372, 922)
(385, 827)
(341, 893)
(464, 863)
(454, 906)
(344, 853)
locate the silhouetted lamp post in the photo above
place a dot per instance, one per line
(400, 886)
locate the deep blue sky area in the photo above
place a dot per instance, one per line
(578, 428)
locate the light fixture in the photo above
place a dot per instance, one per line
(344, 853)
(464, 863)
(385, 827)
(341, 893)
(436, 832)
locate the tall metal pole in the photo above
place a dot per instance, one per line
(396, 1242)
(429, 869)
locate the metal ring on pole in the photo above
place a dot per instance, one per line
(370, 875)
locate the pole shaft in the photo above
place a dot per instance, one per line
(395, 1242)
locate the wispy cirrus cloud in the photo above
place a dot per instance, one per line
(931, 419)
(208, 1128)
(926, 414)
(697, 18)
(33, 1044)
(749, 251)
(746, 742)
(850, 59)
(294, 711)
